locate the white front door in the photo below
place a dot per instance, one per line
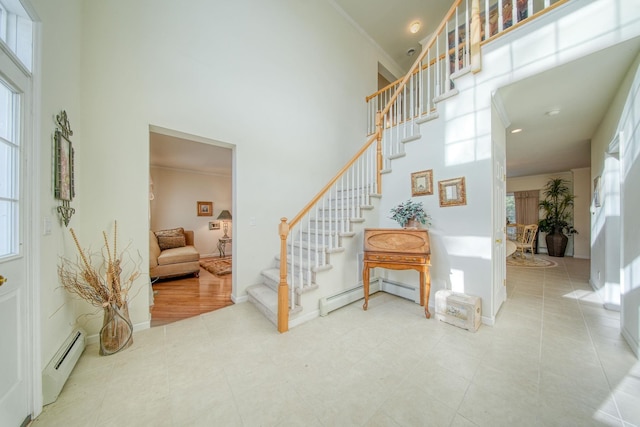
(15, 355)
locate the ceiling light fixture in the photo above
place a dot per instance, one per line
(552, 113)
(518, 130)
(411, 51)
(415, 27)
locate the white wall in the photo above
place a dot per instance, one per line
(458, 143)
(59, 90)
(266, 77)
(243, 72)
(630, 206)
(581, 212)
(616, 219)
(176, 195)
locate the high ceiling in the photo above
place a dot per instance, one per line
(581, 91)
(387, 23)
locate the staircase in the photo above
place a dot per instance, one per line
(327, 233)
(311, 249)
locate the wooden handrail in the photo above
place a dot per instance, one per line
(424, 67)
(420, 57)
(326, 188)
(473, 43)
(482, 43)
(285, 227)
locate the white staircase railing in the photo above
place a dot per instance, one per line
(393, 112)
(448, 56)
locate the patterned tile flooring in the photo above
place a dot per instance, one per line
(555, 357)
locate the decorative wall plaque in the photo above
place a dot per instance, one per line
(64, 185)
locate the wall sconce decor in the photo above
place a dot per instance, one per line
(64, 180)
(225, 217)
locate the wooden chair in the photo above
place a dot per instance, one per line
(526, 241)
(514, 231)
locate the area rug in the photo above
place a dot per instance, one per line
(528, 262)
(217, 266)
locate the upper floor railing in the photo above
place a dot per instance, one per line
(449, 56)
(452, 49)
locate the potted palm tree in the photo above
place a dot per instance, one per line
(558, 211)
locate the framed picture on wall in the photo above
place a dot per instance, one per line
(205, 208)
(214, 225)
(422, 183)
(453, 192)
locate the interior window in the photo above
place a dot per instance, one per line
(511, 208)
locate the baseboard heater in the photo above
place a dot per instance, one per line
(59, 368)
(346, 297)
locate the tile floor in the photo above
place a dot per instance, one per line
(554, 358)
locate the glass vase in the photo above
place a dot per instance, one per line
(117, 330)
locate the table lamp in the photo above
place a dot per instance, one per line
(225, 216)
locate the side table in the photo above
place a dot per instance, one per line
(222, 245)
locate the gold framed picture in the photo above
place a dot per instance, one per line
(452, 192)
(214, 225)
(422, 183)
(205, 208)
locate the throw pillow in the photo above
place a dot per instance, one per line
(170, 242)
(170, 232)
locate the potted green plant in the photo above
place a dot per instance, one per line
(558, 211)
(409, 213)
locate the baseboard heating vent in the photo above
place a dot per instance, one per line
(346, 297)
(59, 368)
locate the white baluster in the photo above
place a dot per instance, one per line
(292, 273)
(467, 23)
(487, 28)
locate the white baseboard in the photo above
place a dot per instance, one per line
(238, 300)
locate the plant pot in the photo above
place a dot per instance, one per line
(556, 243)
(412, 224)
(117, 330)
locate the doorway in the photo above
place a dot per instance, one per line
(191, 187)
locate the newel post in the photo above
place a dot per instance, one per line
(283, 287)
(379, 151)
(476, 57)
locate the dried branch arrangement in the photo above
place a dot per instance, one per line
(102, 285)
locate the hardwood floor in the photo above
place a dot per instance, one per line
(188, 296)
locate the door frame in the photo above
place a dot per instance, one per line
(31, 206)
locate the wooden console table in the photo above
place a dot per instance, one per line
(398, 249)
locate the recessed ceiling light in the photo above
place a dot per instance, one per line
(415, 27)
(552, 113)
(411, 51)
(516, 130)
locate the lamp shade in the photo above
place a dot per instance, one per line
(225, 214)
